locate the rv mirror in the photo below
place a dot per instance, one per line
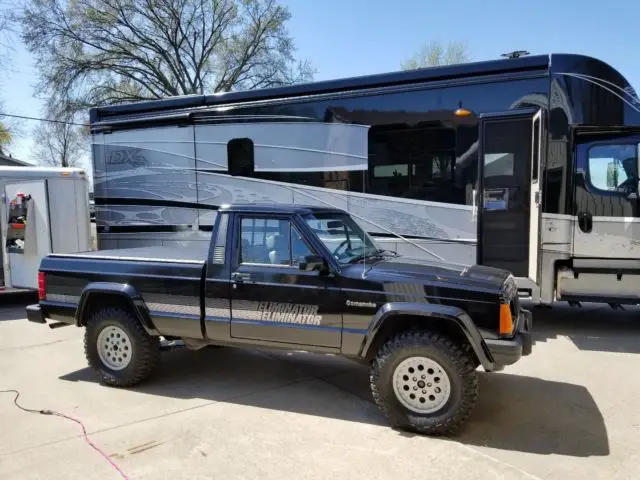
(334, 224)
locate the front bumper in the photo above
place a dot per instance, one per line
(34, 314)
(508, 352)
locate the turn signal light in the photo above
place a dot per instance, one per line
(42, 295)
(506, 320)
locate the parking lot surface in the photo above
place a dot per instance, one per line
(569, 410)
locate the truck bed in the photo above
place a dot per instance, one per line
(197, 254)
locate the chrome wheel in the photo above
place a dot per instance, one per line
(421, 385)
(114, 347)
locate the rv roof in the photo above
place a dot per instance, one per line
(24, 172)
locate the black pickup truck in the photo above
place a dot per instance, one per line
(303, 278)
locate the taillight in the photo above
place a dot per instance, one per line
(42, 291)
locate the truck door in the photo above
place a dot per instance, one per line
(26, 232)
(272, 300)
(607, 208)
(511, 155)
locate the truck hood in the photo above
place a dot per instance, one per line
(416, 270)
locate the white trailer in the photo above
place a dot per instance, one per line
(43, 210)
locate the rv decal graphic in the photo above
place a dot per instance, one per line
(289, 313)
(134, 157)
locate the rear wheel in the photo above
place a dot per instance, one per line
(424, 382)
(118, 348)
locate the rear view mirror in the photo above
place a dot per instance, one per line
(334, 224)
(314, 262)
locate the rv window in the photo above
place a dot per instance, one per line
(413, 162)
(240, 157)
(614, 168)
(498, 164)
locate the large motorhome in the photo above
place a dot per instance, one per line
(554, 198)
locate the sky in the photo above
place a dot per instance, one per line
(343, 38)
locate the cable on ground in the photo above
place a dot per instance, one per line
(58, 414)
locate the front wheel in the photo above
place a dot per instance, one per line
(118, 348)
(424, 382)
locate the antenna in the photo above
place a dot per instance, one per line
(515, 54)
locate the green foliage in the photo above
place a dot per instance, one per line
(435, 53)
(5, 136)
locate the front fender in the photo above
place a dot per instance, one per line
(444, 313)
(126, 291)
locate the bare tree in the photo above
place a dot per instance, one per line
(435, 53)
(7, 127)
(92, 52)
(60, 144)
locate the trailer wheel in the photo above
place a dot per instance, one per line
(118, 349)
(424, 382)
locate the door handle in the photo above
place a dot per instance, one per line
(238, 277)
(585, 222)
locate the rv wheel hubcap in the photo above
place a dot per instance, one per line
(421, 385)
(114, 347)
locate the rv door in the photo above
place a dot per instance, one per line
(511, 154)
(607, 216)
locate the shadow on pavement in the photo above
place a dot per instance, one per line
(593, 327)
(514, 412)
(528, 414)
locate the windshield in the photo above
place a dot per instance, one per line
(342, 236)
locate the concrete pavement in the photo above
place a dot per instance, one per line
(567, 411)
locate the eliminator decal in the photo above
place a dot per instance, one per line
(276, 312)
(289, 313)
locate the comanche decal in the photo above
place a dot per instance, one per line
(289, 313)
(351, 303)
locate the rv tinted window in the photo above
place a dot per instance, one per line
(413, 162)
(613, 168)
(240, 157)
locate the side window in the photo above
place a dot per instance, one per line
(415, 162)
(271, 241)
(613, 168)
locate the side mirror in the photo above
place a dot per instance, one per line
(314, 262)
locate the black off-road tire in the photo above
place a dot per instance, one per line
(458, 363)
(144, 349)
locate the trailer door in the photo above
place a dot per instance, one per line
(510, 192)
(26, 232)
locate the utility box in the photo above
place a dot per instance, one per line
(42, 211)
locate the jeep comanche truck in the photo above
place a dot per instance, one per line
(303, 278)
